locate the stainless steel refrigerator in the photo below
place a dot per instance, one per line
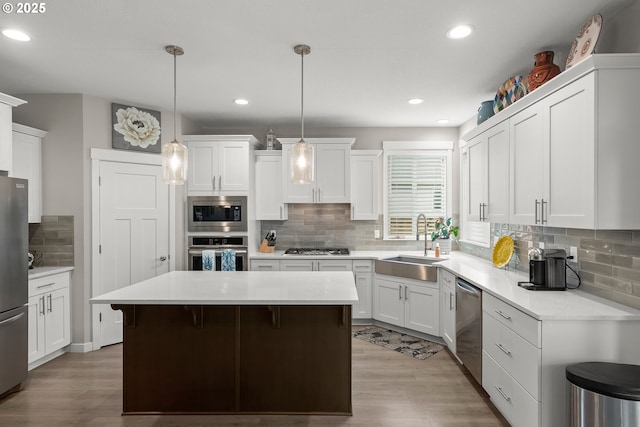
(14, 323)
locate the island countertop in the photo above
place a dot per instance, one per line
(238, 288)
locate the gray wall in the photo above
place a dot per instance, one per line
(76, 123)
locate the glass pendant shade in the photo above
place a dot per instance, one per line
(174, 163)
(302, 163)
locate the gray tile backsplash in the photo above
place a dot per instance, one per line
(608, 261)
(51, 241)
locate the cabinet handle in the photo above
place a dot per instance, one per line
(507, 398)
(400, 292)
(220, 182)
(446, 279)
(280, 212)
(484, 211)
(50, 308)
(535, 212)
(214, 182)
(313, 195)
(504, 350)
(45, 285)
(41, 300)
(542, 219)
(503, 315)
(406, 293)
(318, 195)
(451, 301)
(353, 211)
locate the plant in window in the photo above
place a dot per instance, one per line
(444, 229)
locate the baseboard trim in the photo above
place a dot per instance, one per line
(80, 347)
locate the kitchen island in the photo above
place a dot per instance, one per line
(237, 342)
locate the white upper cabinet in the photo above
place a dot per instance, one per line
(218, 164)
(6, 114)
(487, 157)
(365, 177)
(27, 164)
(332, 183)
(269, 203)
(573, 148)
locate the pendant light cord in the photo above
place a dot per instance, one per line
(175, 97)
(302, 96)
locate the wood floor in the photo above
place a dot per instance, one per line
(389, 389)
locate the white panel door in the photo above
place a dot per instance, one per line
(203, 166)
(234, 166)
(36, 310)
(477, 179)
(422, 309)
(134, 233)
(498, 174)
(57, 322)
(269, 188)
(333, 172)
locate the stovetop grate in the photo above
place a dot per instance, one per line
(317, 251)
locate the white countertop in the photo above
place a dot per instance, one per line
(503, 284)
(542, 305)
(238, 288)
(36, 272)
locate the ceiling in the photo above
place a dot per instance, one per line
(368, 57)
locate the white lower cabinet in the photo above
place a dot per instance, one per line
(363, 274)
(49, 311)
(264, 265)
(408, 303)
(448, 308)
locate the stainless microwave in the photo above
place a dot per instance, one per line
(217, 213)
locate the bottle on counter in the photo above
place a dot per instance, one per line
(437, 250)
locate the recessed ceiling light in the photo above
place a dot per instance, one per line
(443, 121)
(16, 35)
(415, 101)
(241, 101)
(460, 31)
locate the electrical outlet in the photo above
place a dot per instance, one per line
(573, 251)
(376, 234)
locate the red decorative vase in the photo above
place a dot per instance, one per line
(543, 70)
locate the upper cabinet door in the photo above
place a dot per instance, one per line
(233, 166)
(527, 154)
(203, 165)
(477, 178)
(269, 186)
(497, 209)
(570, 159)
(6, 148)
(27, 164)
(365, 176)
(333, 173)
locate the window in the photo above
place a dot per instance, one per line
(417, 177)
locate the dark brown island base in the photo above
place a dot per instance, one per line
(285, 350)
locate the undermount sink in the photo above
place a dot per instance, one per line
(417, 268)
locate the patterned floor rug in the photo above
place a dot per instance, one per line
(402, 343)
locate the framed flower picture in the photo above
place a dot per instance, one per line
(135, 129)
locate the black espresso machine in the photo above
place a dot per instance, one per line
(547, 270)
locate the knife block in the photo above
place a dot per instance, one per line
(264, 247)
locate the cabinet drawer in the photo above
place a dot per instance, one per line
(522, 324)
(517, 406)
(265, 265)
(335, 265)
(447, 278)
(48, 283)
(514, 354)
(362, 266)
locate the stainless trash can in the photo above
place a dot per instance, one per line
(604, 395)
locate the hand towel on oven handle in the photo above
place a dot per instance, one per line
(208, 260)
(228, 260)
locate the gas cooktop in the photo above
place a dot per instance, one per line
(317, 251)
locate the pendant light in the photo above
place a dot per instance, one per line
(174, 153)
(301, 154)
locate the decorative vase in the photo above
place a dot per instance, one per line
(445, 245)
(543, 70)
(485, 111)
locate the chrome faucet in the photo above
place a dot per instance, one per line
(425, 230)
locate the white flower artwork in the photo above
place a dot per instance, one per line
(135, 129)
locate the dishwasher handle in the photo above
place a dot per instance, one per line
(468, 288)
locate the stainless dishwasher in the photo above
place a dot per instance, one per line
(469, 327)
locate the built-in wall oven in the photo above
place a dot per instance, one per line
(238, 244)
(217, 214)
